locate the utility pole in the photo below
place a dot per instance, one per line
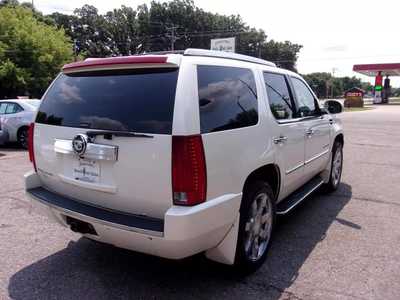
(75, 51)
(333, 78)
(172, 35)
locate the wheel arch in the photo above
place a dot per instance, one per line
(339, 138)
(269, 173)
(22, 127)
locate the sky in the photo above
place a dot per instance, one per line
(335, 34)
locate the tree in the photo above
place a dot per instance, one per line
(396, 92)
(160, 25)
(10, 3)
(325, 85)
(31, 52)
(284, 54)
(319, 82)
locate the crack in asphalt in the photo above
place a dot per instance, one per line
(365, 199)
(13, 191)
(340, 293)
(290, 295)
(377, 201)
(378, 164)
(375, 145)
(282, 291)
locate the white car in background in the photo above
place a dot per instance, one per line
(15, 117)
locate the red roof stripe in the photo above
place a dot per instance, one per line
(376, 67)
(122, 60)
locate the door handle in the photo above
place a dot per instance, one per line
(280, 140)
(309, 132)
(331, 121)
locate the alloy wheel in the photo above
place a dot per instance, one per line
(258, 227)
(337, 166)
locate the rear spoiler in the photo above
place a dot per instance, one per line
(123, 62)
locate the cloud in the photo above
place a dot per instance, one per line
(335, 48)
(70, 93)
(48, 7)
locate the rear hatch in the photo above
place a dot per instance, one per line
(123, 119)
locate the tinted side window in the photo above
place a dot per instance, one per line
(227, 98)
(278, 96)
(3, 108)
(12, 108)
(19, 108)
(305, 99)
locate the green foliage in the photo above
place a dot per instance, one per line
(283, 53)
(9, 3)
(396, 92)
(31, 52)
(32, 49)
(326, 86)
(125, 31)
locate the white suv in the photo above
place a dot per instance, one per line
(178, 154)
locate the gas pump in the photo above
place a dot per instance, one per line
(386, 90)
(378, 88)
(382, 92)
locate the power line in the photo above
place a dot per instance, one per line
(172, 35)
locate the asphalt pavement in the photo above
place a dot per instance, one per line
(345, 245)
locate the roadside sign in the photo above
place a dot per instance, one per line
(225, 44)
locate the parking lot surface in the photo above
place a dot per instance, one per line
(344, 245)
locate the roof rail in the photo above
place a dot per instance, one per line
(227, 55)
(163, 52)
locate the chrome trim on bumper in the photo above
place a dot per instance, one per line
(93, 151)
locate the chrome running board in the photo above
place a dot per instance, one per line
(286, 205)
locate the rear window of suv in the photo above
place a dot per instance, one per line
(121, 100)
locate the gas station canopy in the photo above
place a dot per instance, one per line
(374, 69)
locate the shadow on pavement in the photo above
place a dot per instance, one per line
(11, 147)
(87, 270)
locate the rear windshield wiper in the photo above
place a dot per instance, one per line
(108, 134)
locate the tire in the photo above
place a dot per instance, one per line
(336, 168)
(257, 221)
(22, 137)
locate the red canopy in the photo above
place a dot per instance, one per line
(373, 69)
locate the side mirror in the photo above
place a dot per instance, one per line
(333, 106)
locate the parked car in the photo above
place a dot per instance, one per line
(15, 118)
(178, 154)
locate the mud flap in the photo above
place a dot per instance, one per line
(226, 250)
(326, 173)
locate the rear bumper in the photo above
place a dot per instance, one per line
(183, 232)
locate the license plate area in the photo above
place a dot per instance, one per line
(86, 170)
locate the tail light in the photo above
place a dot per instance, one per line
(30, 145)
(189, 178)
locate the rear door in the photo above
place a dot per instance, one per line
(318, 127)
(12, 119)
(289, 137)
(3, 107)
(9, 118)
(123, 120)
